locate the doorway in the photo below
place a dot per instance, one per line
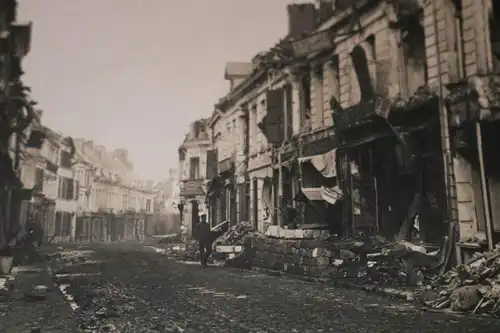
(194, 214)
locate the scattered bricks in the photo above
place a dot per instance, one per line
(307, 253)
(279, 262)
(314, 272)
(296, 260)
(322, 252)
(308, 234)
(465, 298)
(299, 233)
(328, 272)
(289, 234)
(322, 261)
(346, 255)
(309, 261)
(273, 231)
(290, 247)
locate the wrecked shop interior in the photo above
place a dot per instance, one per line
(393, 176)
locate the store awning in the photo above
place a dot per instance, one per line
(328, 194)
(324, 163)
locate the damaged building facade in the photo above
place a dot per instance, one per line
(194, 154)
(472, 91)
(373, 117)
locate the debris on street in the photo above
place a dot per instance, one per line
(235, 234)
(356, 261)
(169, 239)
(127, 289)
(235, 246)
(472, 287)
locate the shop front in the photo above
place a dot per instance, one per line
(390, 168)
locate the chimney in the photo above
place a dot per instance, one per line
(88, 146)
(301, 19)
(325, 10)
(236, 72)
(99, 150)
(121, 154)
(79, 142)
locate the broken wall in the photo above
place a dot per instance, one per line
(449, 59)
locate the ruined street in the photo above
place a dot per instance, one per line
(130, 288)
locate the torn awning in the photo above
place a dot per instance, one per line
(324, 163)
(328, 194)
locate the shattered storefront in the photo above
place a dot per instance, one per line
(192, 196)
(390, 168)
(320, 195)
(221, 195)
(473, 106)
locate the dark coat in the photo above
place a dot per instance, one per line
(202, 232)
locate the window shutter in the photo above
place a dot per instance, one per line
(60, 187)
(212, 164)
(77, 189)
(273, 122)
(71, 188)
(289, 111)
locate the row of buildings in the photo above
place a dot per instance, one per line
(17, 117)
(83, 192)
(74, 189)
(369, 116)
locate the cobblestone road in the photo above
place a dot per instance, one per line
(129, 289)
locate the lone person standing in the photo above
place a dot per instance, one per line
(204, 237)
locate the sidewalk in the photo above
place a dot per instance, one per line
(30, 302)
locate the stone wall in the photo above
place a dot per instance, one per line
(314, 254)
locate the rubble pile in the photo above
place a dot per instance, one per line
(355, 261)
(240, 234)
(170, 239)
(235, 234)
(472, 287)
(191, 253)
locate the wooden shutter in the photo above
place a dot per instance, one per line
(60, 187)
(77, 189)
(58, 223)
(39, 177)
(289, 111)
(212, 164)
(70, 189)
(274, 122)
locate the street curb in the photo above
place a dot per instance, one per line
(408, 296)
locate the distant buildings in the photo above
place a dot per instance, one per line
(195, 155)
(84, 192)
(166, 213)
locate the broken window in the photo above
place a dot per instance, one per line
(305, 113)
(361, 68)
(334, 71)
(415, 64)
(212, 164)
(246, 133)
(253, 129)
(318, 96)
(495, 34)
(194, 168)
